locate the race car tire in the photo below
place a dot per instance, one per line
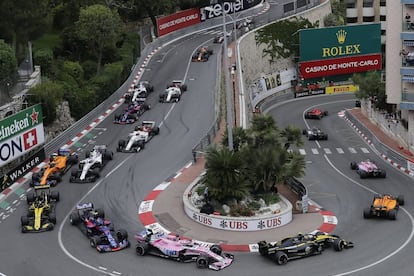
(94, 241)
(215, 248)
(184, 87)
(338, 244)
(52, 217)
(310, 138)
(121, 144)
(122, 234)
(141, 144)
(325, 113)
(383, 174)
(73, 159)
(74, 173)
(307, 116)
(400, 200)
(96, 173)
(367, 213)
(117, 117)
(392, 214)
(141, 248)
(304, 131)
(100, 213)
(74, 218)
(24, 220)
(281, 258)
(156, 130)
(363, 174)
(108, 155)
(55, 195)
(87, 154)
(30, 198)
(325, 137)
(202, 262)
(50, 226)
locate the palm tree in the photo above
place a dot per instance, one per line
(291, 135)
(225, 175)
(263, 131)
(239, 138)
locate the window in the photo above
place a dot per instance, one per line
(383, 3)
(350, 4)
(351, 20)
(368, 4)
(383, 18)
(368, 19)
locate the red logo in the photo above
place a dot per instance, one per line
(30, 139)
(34, 116)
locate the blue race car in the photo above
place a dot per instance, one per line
(98, 229)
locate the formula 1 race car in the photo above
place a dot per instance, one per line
(131, 114)
(59, 163)
(202, 54)
(368, 168)
(218, 39)
(384, 206)
(315, 113)
(98, 229)
(41, 213)
(179, 84)
(301, 246)
(139, 137)
(182, 250)
(141, 90)
(315, 134)
(90, 168)
(171, 94)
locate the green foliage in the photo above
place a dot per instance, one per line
(238, 210)
(44, 58)
(99, 26)
(239, 138)
(108, 81)
(89, 68)
(269, 198)
(81, 101)
(49, 94)
(371, 87)
(336, 18)
(8, 62)
(74, 70)
(224, 176)
(291, 135)
(281, 38)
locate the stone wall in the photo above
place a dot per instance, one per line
(62, 122)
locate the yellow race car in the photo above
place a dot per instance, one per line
(41, 212)
(384, 206)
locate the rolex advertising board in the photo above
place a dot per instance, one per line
(340, 50)
(21, 133)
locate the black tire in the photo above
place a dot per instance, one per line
(325, 137)
(215, 248)
(94, 241)
(156, 130)
(73, 159)
(30, 198)
(122, 234)
(383, 174)
(184, 87)
(304, 131)
(202, 262)
(52, 217)
(362, 174)
(74, 172)
(141, 248)
(325, 113)
(24, 220)
(108, 155)
(121, 144)
(281, 258)
(338, 244)
(96, 173)
(87, 154)
(354, 165)
(117, 117)
(74, 218)
(101, 212)
(55, 195)
(392, 214)
(367, 213)
(141, 144)
(400, 200)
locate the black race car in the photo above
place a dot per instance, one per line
(202, 54)
(98, 229)
(300, 246)
(315, 134)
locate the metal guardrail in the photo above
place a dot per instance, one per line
(296, 186)
(384, 149)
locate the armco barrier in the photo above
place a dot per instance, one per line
(296, 186)
(384, 149)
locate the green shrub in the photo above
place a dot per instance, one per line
(44, 58)
(240, 211)
(89, 68)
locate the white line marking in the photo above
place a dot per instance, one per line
(302, 151)
(315, 151)
(365, 150)
(352, 150)
(340, 151)
(327, 151)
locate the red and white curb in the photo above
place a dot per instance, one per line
(149, 221)
(386, 158)
(27, 177)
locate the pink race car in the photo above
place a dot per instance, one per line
(368, 168)
(183, 250)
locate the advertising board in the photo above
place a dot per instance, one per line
(176, 21)
(21, 133)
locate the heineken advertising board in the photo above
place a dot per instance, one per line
(340, 50)
(21, 133)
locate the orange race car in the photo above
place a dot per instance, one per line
(384, 206)
(58, 165)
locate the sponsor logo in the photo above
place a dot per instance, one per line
(341, 35)
(309, 93)
(216, 10)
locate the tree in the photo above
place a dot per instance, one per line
(371, 87)
(291, 135)
(263, 131)
(224, 175)
(281, 38)
(8, 70)
(100, 26)
(239, 138)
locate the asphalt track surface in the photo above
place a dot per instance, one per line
(384, 245)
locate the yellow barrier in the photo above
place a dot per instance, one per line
(341, 89)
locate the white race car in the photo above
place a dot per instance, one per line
(171, 94)
(141, 90)
(136, 139)
(89, 168)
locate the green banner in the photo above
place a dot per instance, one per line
(20, 122)
(338, 42)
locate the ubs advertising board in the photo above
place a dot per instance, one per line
(21, 133)
(340, 50)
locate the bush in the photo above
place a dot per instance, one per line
(44, 58)
(89, 68)
(240, 211)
